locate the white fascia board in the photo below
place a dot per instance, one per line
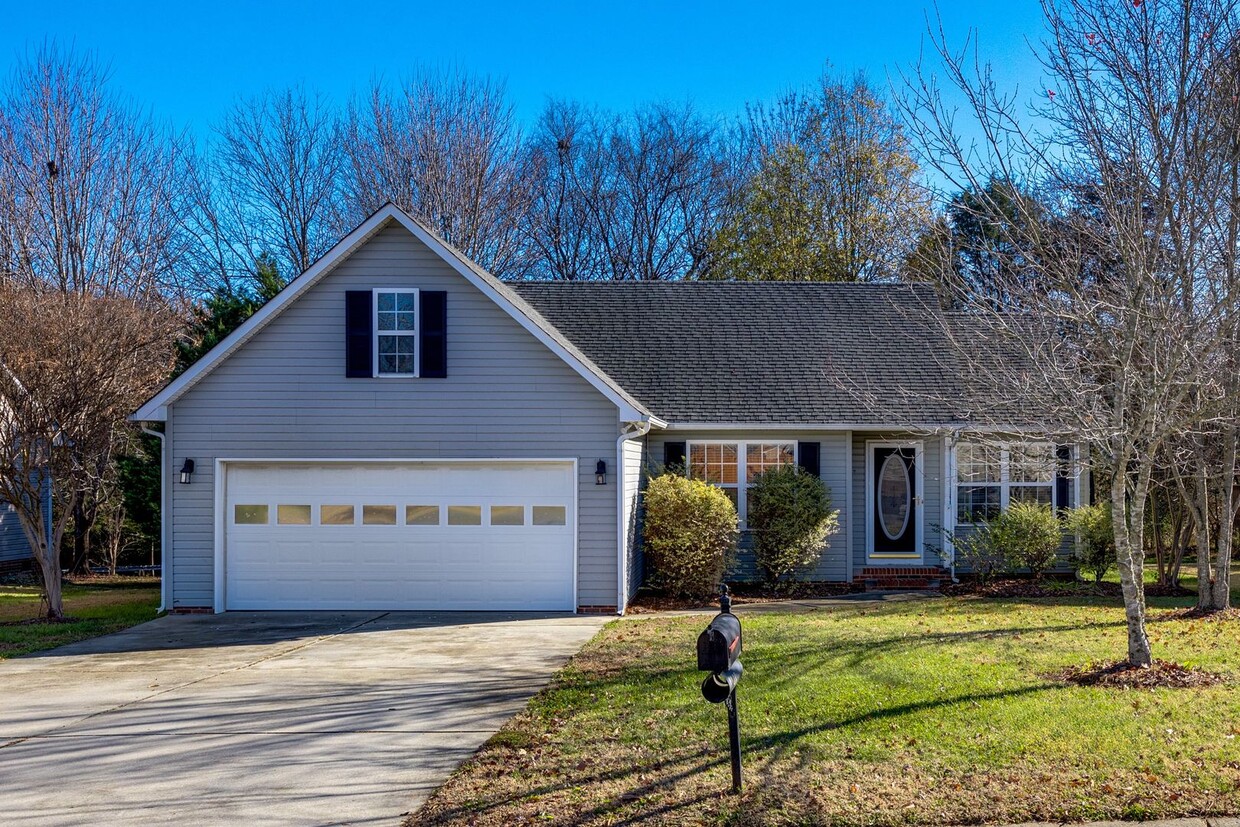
(805, 426)
(155, 408)
(923, 427)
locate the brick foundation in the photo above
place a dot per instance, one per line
(15, 566)
(192, 610)
(885, 578)
(596, 610)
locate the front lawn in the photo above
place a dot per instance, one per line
(926, 712)
(94, 607)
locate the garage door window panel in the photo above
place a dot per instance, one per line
(421, 515)
(250, 514)
(293, 515)
(464, 515)
(550, 515)
(507, 515)
(378, 515)
(336, 515)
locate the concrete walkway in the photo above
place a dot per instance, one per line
(265, 718)
(816, 604)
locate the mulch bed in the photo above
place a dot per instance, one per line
(41, 621)
(649, 600)
(1016, 587)
(1161, 675)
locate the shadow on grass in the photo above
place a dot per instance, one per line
(699, 762)
(850, 654)
(779, 743)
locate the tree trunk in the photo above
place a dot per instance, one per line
(49, 565)
(1220, 595)
(1205, 595)
(1130, 559)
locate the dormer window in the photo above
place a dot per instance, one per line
(396, 333)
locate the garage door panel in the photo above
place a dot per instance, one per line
(524, 561)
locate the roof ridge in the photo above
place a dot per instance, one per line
(719, 283)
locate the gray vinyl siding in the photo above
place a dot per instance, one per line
(833, 457)
(284, 395)
(634, 462)
(932, 497)
(14, 546)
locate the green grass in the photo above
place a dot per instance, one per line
(94, 608)
(929, 712)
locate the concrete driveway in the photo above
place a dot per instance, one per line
(256, 718)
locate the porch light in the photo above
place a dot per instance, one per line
(186, 471)
(600, 473)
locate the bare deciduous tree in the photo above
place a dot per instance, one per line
(638, 197)
(278, 163)
(1126, 295)
(88, 245)
(73, 368)
(445, 148)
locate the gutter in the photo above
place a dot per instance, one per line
(638, 430)
(165, 571)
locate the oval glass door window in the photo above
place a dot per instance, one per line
(895, 495)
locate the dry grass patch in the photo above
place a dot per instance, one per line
(931, 712)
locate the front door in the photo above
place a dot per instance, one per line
(894, 501)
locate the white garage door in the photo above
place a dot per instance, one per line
(447, 535)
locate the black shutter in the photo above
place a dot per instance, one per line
(433, 334)
(359, 361)
(807, 458)
(1063, 476)
(674, 455)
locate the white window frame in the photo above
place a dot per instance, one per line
(413, 334)
(1005, 483)
(742, 472)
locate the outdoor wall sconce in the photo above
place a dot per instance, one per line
(600, 473)
(186, 471)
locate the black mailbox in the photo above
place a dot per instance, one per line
(720, 645)
(719, 652)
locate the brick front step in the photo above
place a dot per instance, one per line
(889, 578)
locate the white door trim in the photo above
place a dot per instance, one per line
(221, 464)
(919, 498)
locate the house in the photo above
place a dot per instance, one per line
(15, 551)
(398, 429)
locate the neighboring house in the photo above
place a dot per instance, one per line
(398, 429)
(15, 550)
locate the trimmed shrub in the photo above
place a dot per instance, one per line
(977, 551)
(1095, 547)
(1029, 536)
(791, 517)
(690, 534)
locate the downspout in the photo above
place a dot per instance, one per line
(639, 429)
(950, 484)
(165, 571)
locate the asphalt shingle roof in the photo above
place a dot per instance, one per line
(764, 352)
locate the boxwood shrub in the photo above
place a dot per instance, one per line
(791, 518)
(690, 534)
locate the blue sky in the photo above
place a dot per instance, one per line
(188, 62)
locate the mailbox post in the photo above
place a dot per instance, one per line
(719, 652)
